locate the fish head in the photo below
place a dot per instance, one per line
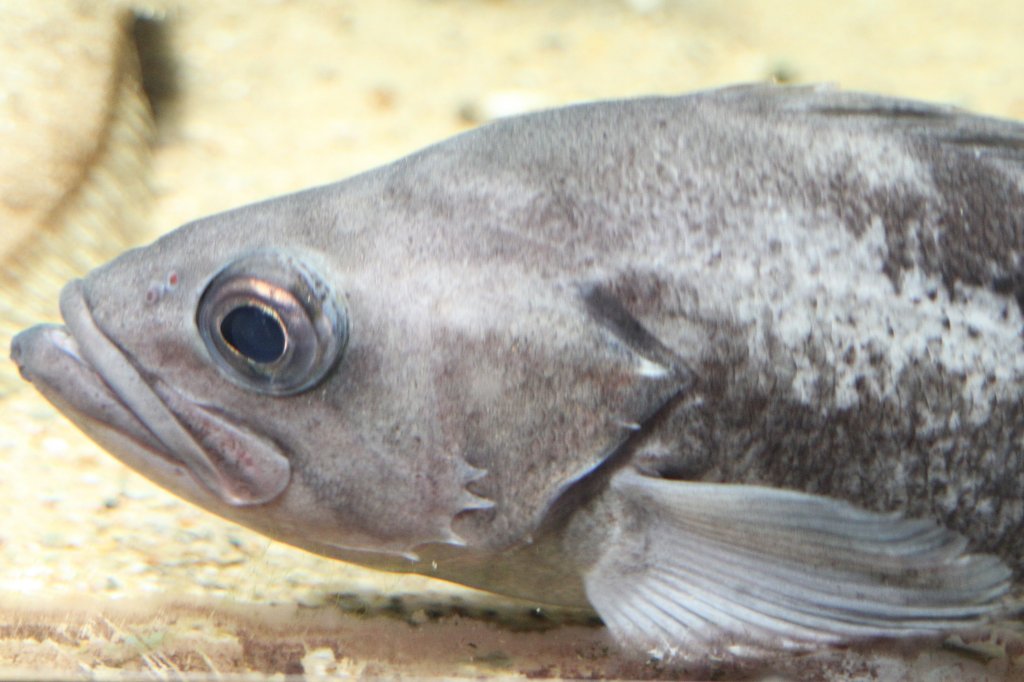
(260, 365)
(410, 357)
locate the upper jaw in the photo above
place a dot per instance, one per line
(88, 377)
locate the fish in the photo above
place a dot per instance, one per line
(740, 370)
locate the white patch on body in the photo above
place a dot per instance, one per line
(823, 291)
(651, 370)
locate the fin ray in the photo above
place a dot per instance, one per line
(722, 566)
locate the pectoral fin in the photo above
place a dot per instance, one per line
(705, 567)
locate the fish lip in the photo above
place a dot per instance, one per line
(82, 370)
(96, 350)
(48, 355)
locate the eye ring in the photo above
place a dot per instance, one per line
(271, 325)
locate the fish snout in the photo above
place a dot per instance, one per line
(39, 349)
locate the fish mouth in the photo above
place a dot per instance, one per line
(145, 423)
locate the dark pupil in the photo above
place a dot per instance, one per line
(254, 333)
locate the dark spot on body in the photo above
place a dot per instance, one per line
(980, 222)
(969, 229)
(850, 356)
(904, 109)
(911, 441)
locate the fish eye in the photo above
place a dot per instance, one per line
(255, 332)
(271, 325)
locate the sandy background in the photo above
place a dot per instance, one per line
(102, 574)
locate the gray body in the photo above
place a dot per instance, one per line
(594, 351)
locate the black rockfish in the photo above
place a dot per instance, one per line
(739, 370)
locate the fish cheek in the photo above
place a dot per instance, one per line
(354, 466)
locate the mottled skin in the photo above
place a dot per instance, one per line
(832, 284)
